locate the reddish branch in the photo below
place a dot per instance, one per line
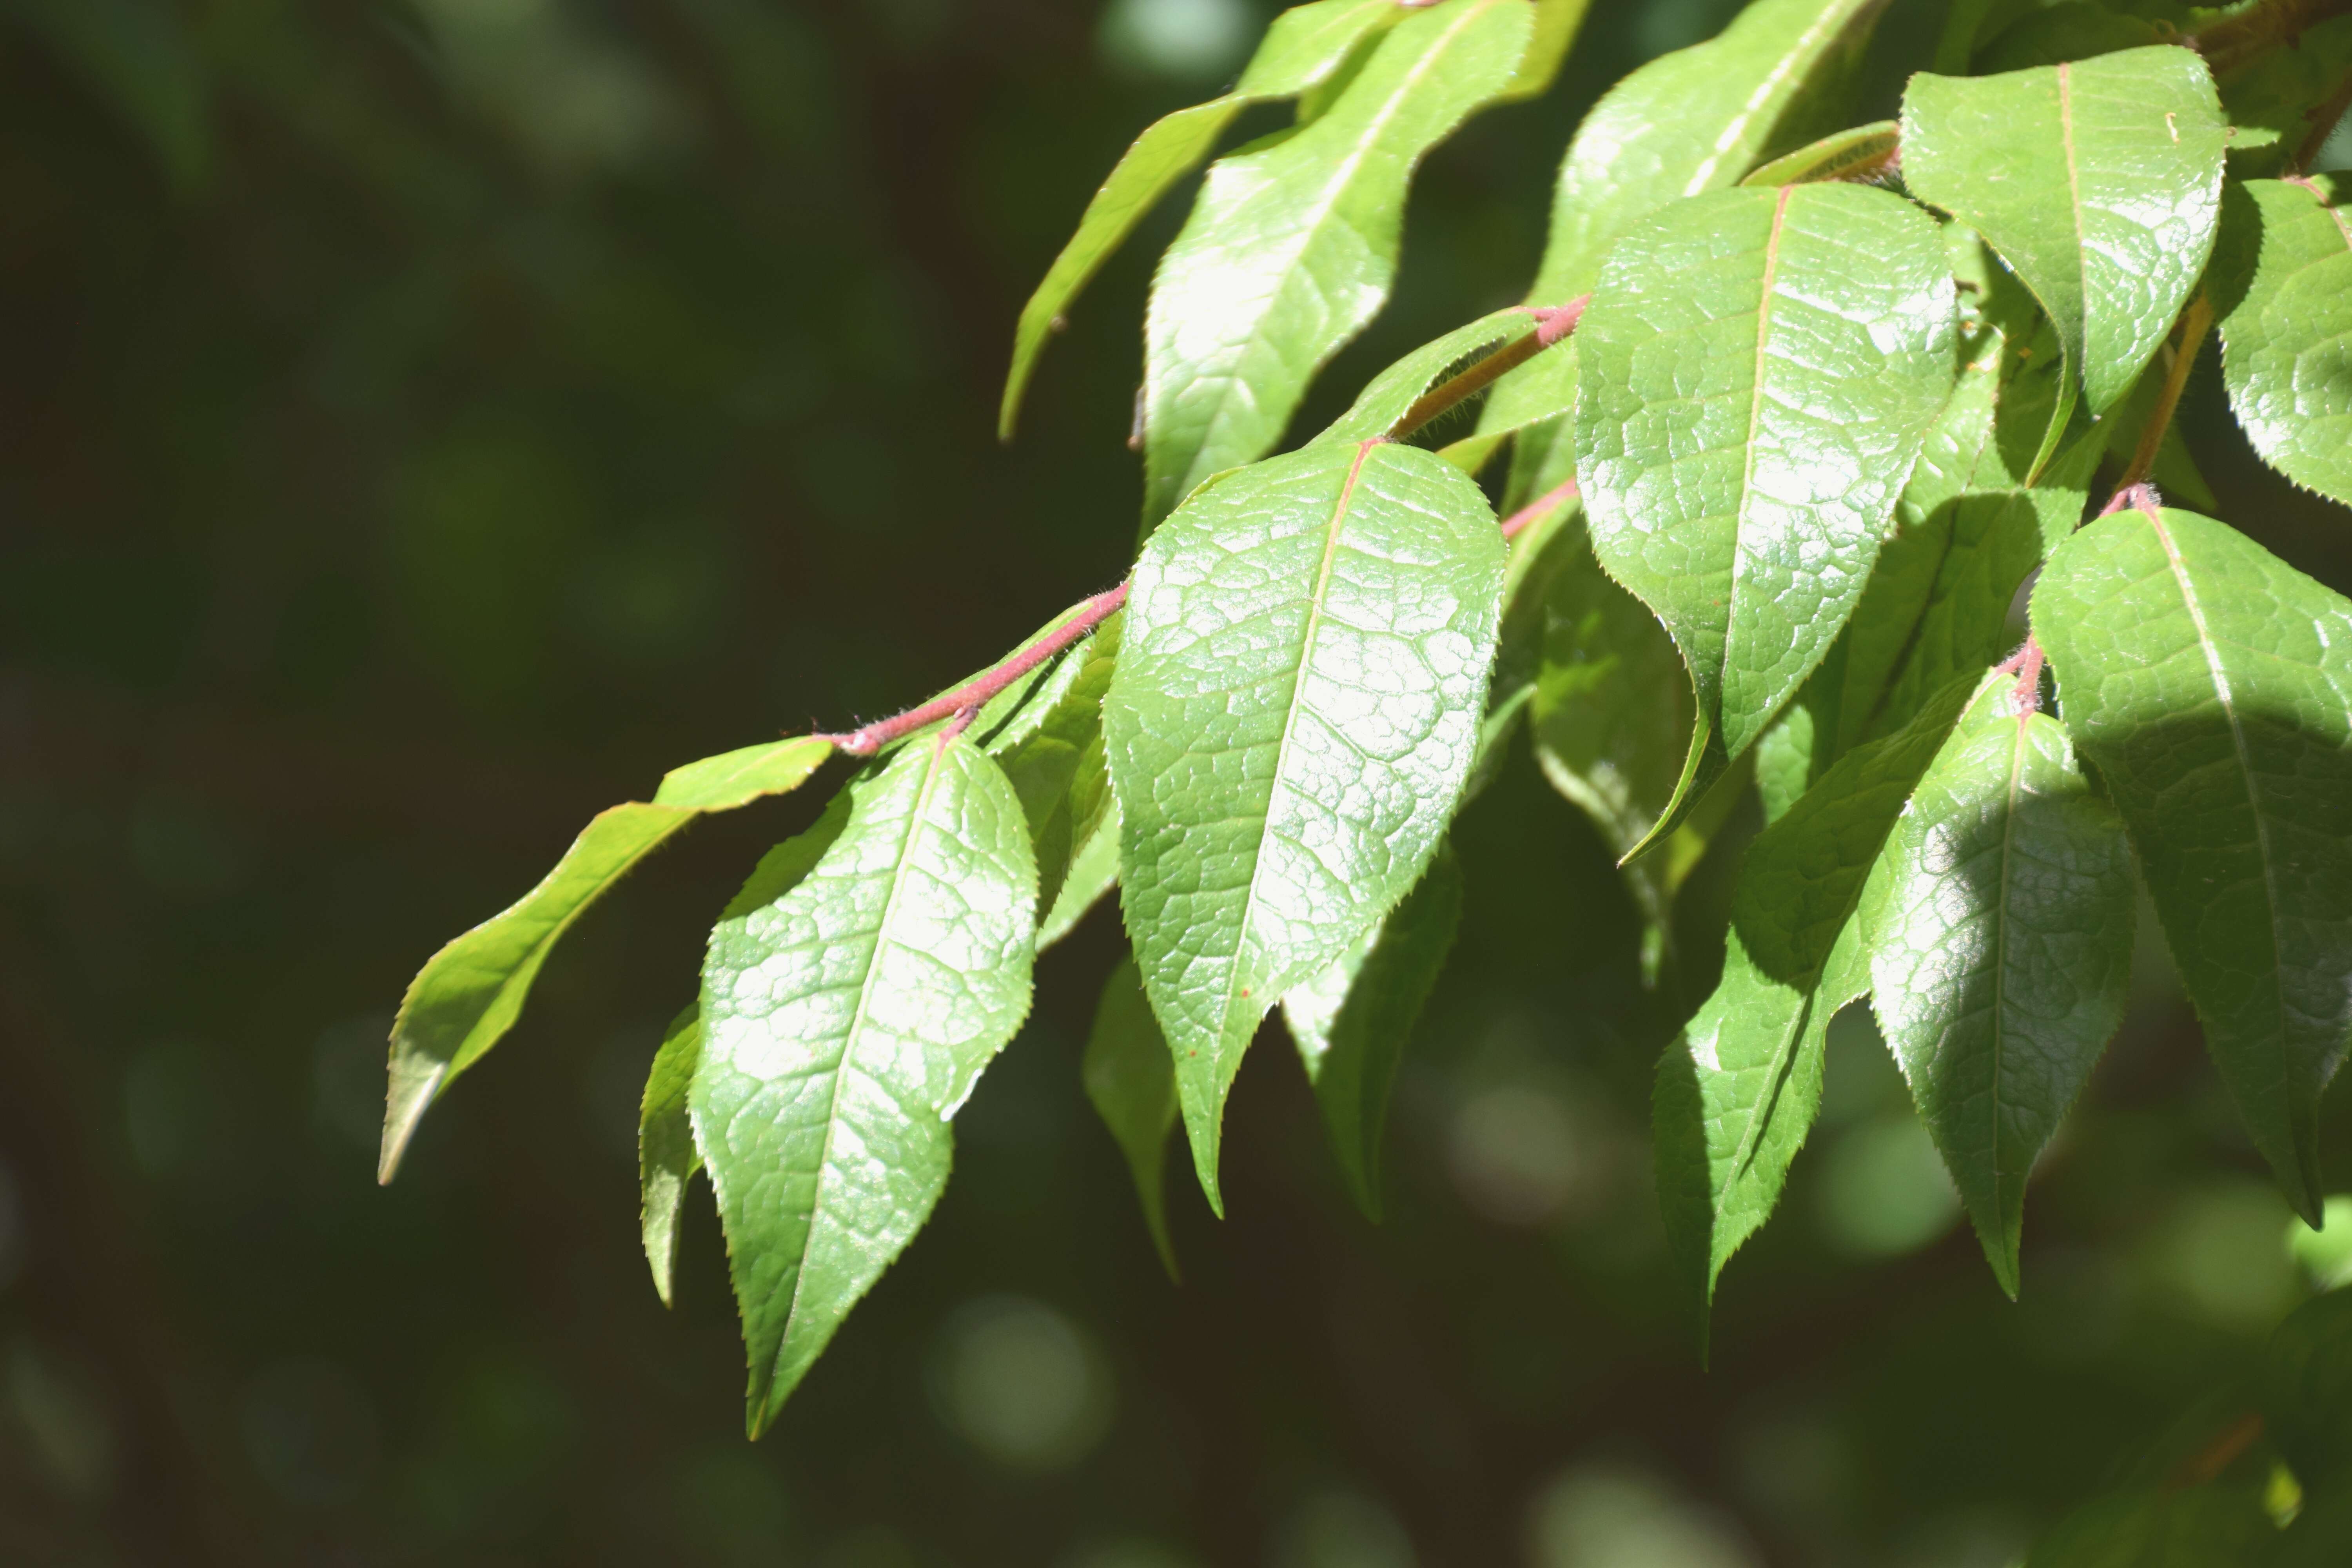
(965, 701)
(1553, 323)
(1559, 495)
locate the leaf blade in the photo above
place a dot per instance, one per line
(2286, 334)
(668, 1155)
(1131, 1083)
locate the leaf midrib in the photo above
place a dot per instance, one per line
(849, 1041)
(2221, 679)
(1289, 724)
(1755, 419)
(1323, 207)
(2000, 967)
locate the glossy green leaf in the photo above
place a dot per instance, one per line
(2099, 180)
(1686, 122)
(1291, 247)
(1305, 48)
(1863, 152)
(2306, 1391)
(2000, 940)
(1132, 1085)
(469, 994)
(1967, 526)
(2206, 1527)
(2210, 684)
(853, 992)
(1759, 370)
(1352, 1021)
(1293, 714)
(1557, 22)
(668, 1156)
(1737, 1091)
(2286, 325)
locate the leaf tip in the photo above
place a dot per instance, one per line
(407, 1096)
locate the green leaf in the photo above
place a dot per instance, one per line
(1557, 22)
(1999, 941)
(1054, 758)
(1969, 23)
(2206, 1527)
(2286, 330)
(1611, 721)
(1291, 247)
(1132, 1085)
(2099, 180)
(469, 994)
(1351, 1022)
(1305, 48)
(668, 1155)
(2209, 683)
(1094, 871)
(1693, 120)
(1861, 152)
(2306, 1391)
(853, 991)
(2275, 102)
(1968, 527)
(1759, 368)
(1388, 397)
(1293, 716)
(1738, 1091)
(2069, 30)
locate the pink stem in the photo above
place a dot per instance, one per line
(2026, 664)
(2142, 495)
(1559, 495)
(965, 701)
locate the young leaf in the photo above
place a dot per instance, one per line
(1291, 248)
(1999, 941)
(1132, 1085)
(2211, 685)
(1759, 369)
(2287, 332)
(1859, 154)
(1293, 716)
(2098, 180)
(469, 994)
(1737, 1091)
(1389, 396)
(1351, 1022)
(668, 1155)
(1305, 48)
(853, 993)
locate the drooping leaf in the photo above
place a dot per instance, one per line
(2203, 1527)
(2306, 1391)
(1302, 48)
(2286, 330)
(1999, 941)
(469, 994)
(2098, 180)
(2211, 685)
(1132, 1085)
(853, 993)
(1293, 714)
(1291, 247)
(1689, 121)
(1759, 370)
(1859, 154)
(668, 1156)
(1967, 526)
(1739, 1089)
(1352, 1021)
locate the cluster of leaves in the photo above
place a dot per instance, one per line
(1787, 432)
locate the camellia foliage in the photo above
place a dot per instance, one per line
(1748, 497)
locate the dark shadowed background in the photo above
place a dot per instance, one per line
(421, 422)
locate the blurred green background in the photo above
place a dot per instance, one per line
(424, 421)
